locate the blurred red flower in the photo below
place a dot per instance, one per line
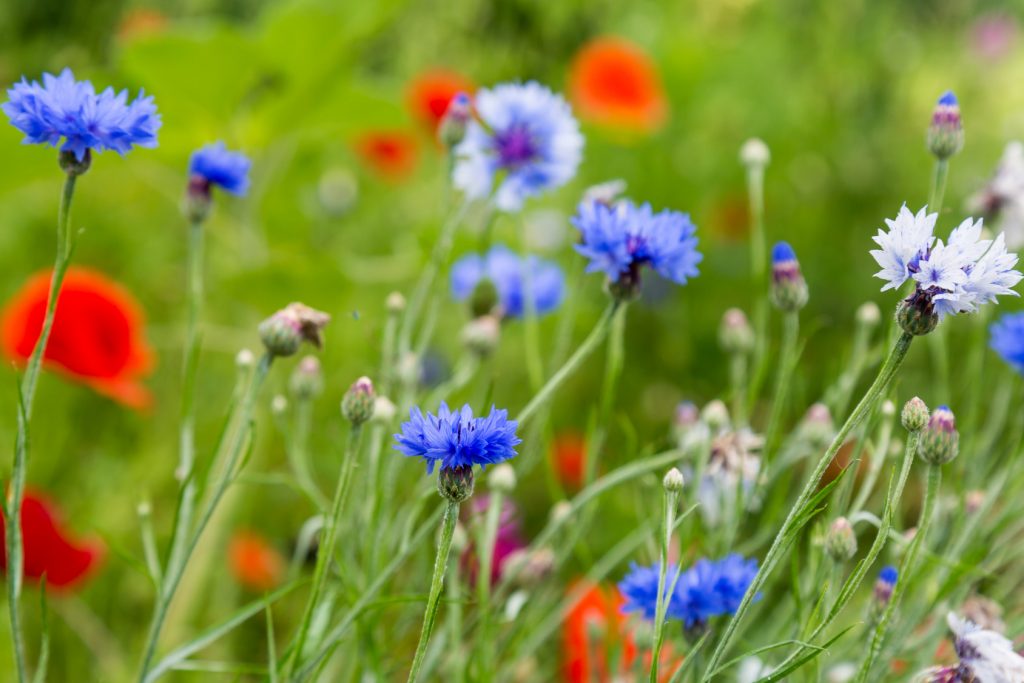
(569, 457)
(49, 549)
(429, 94)
(391, 154)
(97, 335)
(255, 563)
(593, 631)
(614, 83)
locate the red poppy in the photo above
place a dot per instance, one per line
(569, 457)
(96, 338)
(392, 154)
(613, 82)
(429, 94)
(593, 631)
(49, 549)
(255, 563)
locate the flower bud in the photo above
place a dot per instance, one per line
(452, 128)
(245, 359)
(715, 415)
(502, 478)
(940, 442)
(735, 334)
(885, 584)
(198, 200)
(946, 133)
(840, 541)
(395, 303)
(384, 410)
(307, 380)
(72, 165)
(279, 405)
(869, 315)
(817, 427)
(481, 335)
(888, 408)
(484, 298)
(358, 403)
(455, 483)
(283, 332)
(916, 314)
(673, 481)
(914, 415)
(789, 289)
(755, 153)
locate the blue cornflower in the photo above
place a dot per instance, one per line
(508, 271)
(526, 140)
(640, 588)
(889, 574)
(214, 164)
(457, 439)
(1008, 339)
(619, 239)
(62, 107)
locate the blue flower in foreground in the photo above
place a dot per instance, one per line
(214, 164)
(457, 439)
(526, 139)
(508, 271)
(62, 107)
(619, 239)
(1008, 339)
(708, 589)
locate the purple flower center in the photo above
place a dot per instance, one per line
(515, 146)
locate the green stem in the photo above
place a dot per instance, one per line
(938, 188)
(907, 566)
(175, 572)
(585, 349)
(738, 381)
(19, 470)
(444, 546)
(325, 550)
(661, 605)
(755, 195)
(790, 334)
(613, 366)
(485, 643)
(790, 525)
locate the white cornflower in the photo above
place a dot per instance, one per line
(908, 239)
(1003, 197)
(985, 657)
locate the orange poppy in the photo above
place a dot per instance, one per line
(613, 82)
(97, 336)
(391, 154)
(49, 549)
(429, 94)
(254, 563)
(593, 631)
(569, 457)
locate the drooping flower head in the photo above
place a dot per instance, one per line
(97, 336)
(946, 132)
(512, 276)
(956, 276)
(255, 563)
(613, 82)
(50, 550)
(63, 108)
(525, 143)
(430, 93)
(984, 656)
(215, 164)
(458, 439)
(1007, 338)
(620, 239)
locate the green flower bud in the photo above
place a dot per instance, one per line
(940, 442)
(358, 403)
(455, 483)
(914, 415)
(840, 541)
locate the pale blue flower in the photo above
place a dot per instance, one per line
(1008, 339)
(508, 271)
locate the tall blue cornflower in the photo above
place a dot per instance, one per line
(457, 439)
(509, 272)
(525, 143)
(63, 108)
(621, 238)
(1007, 339)
(215, 164)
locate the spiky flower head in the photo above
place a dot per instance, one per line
(64, 108)
(283, 332)
(458, 439)
(946, 132)
(940, 441)
(789, 289)
(914, 415)
(526, 142)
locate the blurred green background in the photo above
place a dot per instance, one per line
(841, 92)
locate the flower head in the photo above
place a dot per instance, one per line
(1007, 338)
(50, 550)
(526, 141)
(940, 441)
(97, 336)
(614, 83)
(620, 239)
(284, 331)
(953, 277)
(594, 632)
(254, 563)
(789, 289)
(1002, 199)
(984, 656)
(62, 108)
(946, 133)
(457, 439)
(510, 274)
(430, 93)
(215, 164)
